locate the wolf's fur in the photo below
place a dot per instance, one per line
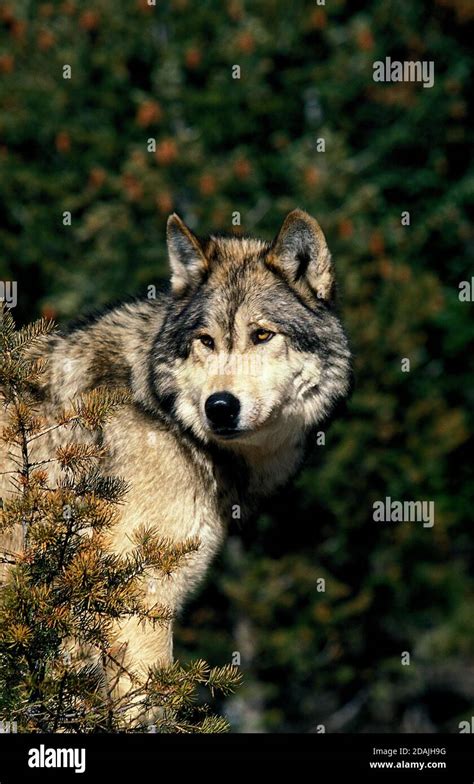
(185, 478)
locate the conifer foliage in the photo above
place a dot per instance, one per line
(63, 589)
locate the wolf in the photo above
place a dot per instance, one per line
(230, 371)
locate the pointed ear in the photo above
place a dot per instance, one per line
(300, 253)
(187, 260)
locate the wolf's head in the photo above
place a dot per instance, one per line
(251, 350)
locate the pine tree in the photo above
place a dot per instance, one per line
(64, 589)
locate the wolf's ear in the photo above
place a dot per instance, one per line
(301, 254)
(187, 260)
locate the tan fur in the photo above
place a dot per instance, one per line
(177, 487)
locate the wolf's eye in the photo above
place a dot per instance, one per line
(207, 341)
(262, 336)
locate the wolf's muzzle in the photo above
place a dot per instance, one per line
(222, 411)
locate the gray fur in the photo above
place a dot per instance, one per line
(184, 479)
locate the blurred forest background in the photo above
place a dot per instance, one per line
(140, 72)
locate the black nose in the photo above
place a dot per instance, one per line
(222, 410)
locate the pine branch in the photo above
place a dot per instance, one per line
(163, 553)
(109, 488)
(77, 457)
(225, 679)
(64, 420)
(7, 328)
(96, 407)
(31, 333)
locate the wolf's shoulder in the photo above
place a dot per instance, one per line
(103, 347)
(130, 310)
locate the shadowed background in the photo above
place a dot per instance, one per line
(250, 145)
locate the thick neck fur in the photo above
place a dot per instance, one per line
(115, 350)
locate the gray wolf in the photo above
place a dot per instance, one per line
(230, 371)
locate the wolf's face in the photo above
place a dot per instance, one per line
(251, 350)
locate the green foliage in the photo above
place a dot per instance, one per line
(250, 145)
